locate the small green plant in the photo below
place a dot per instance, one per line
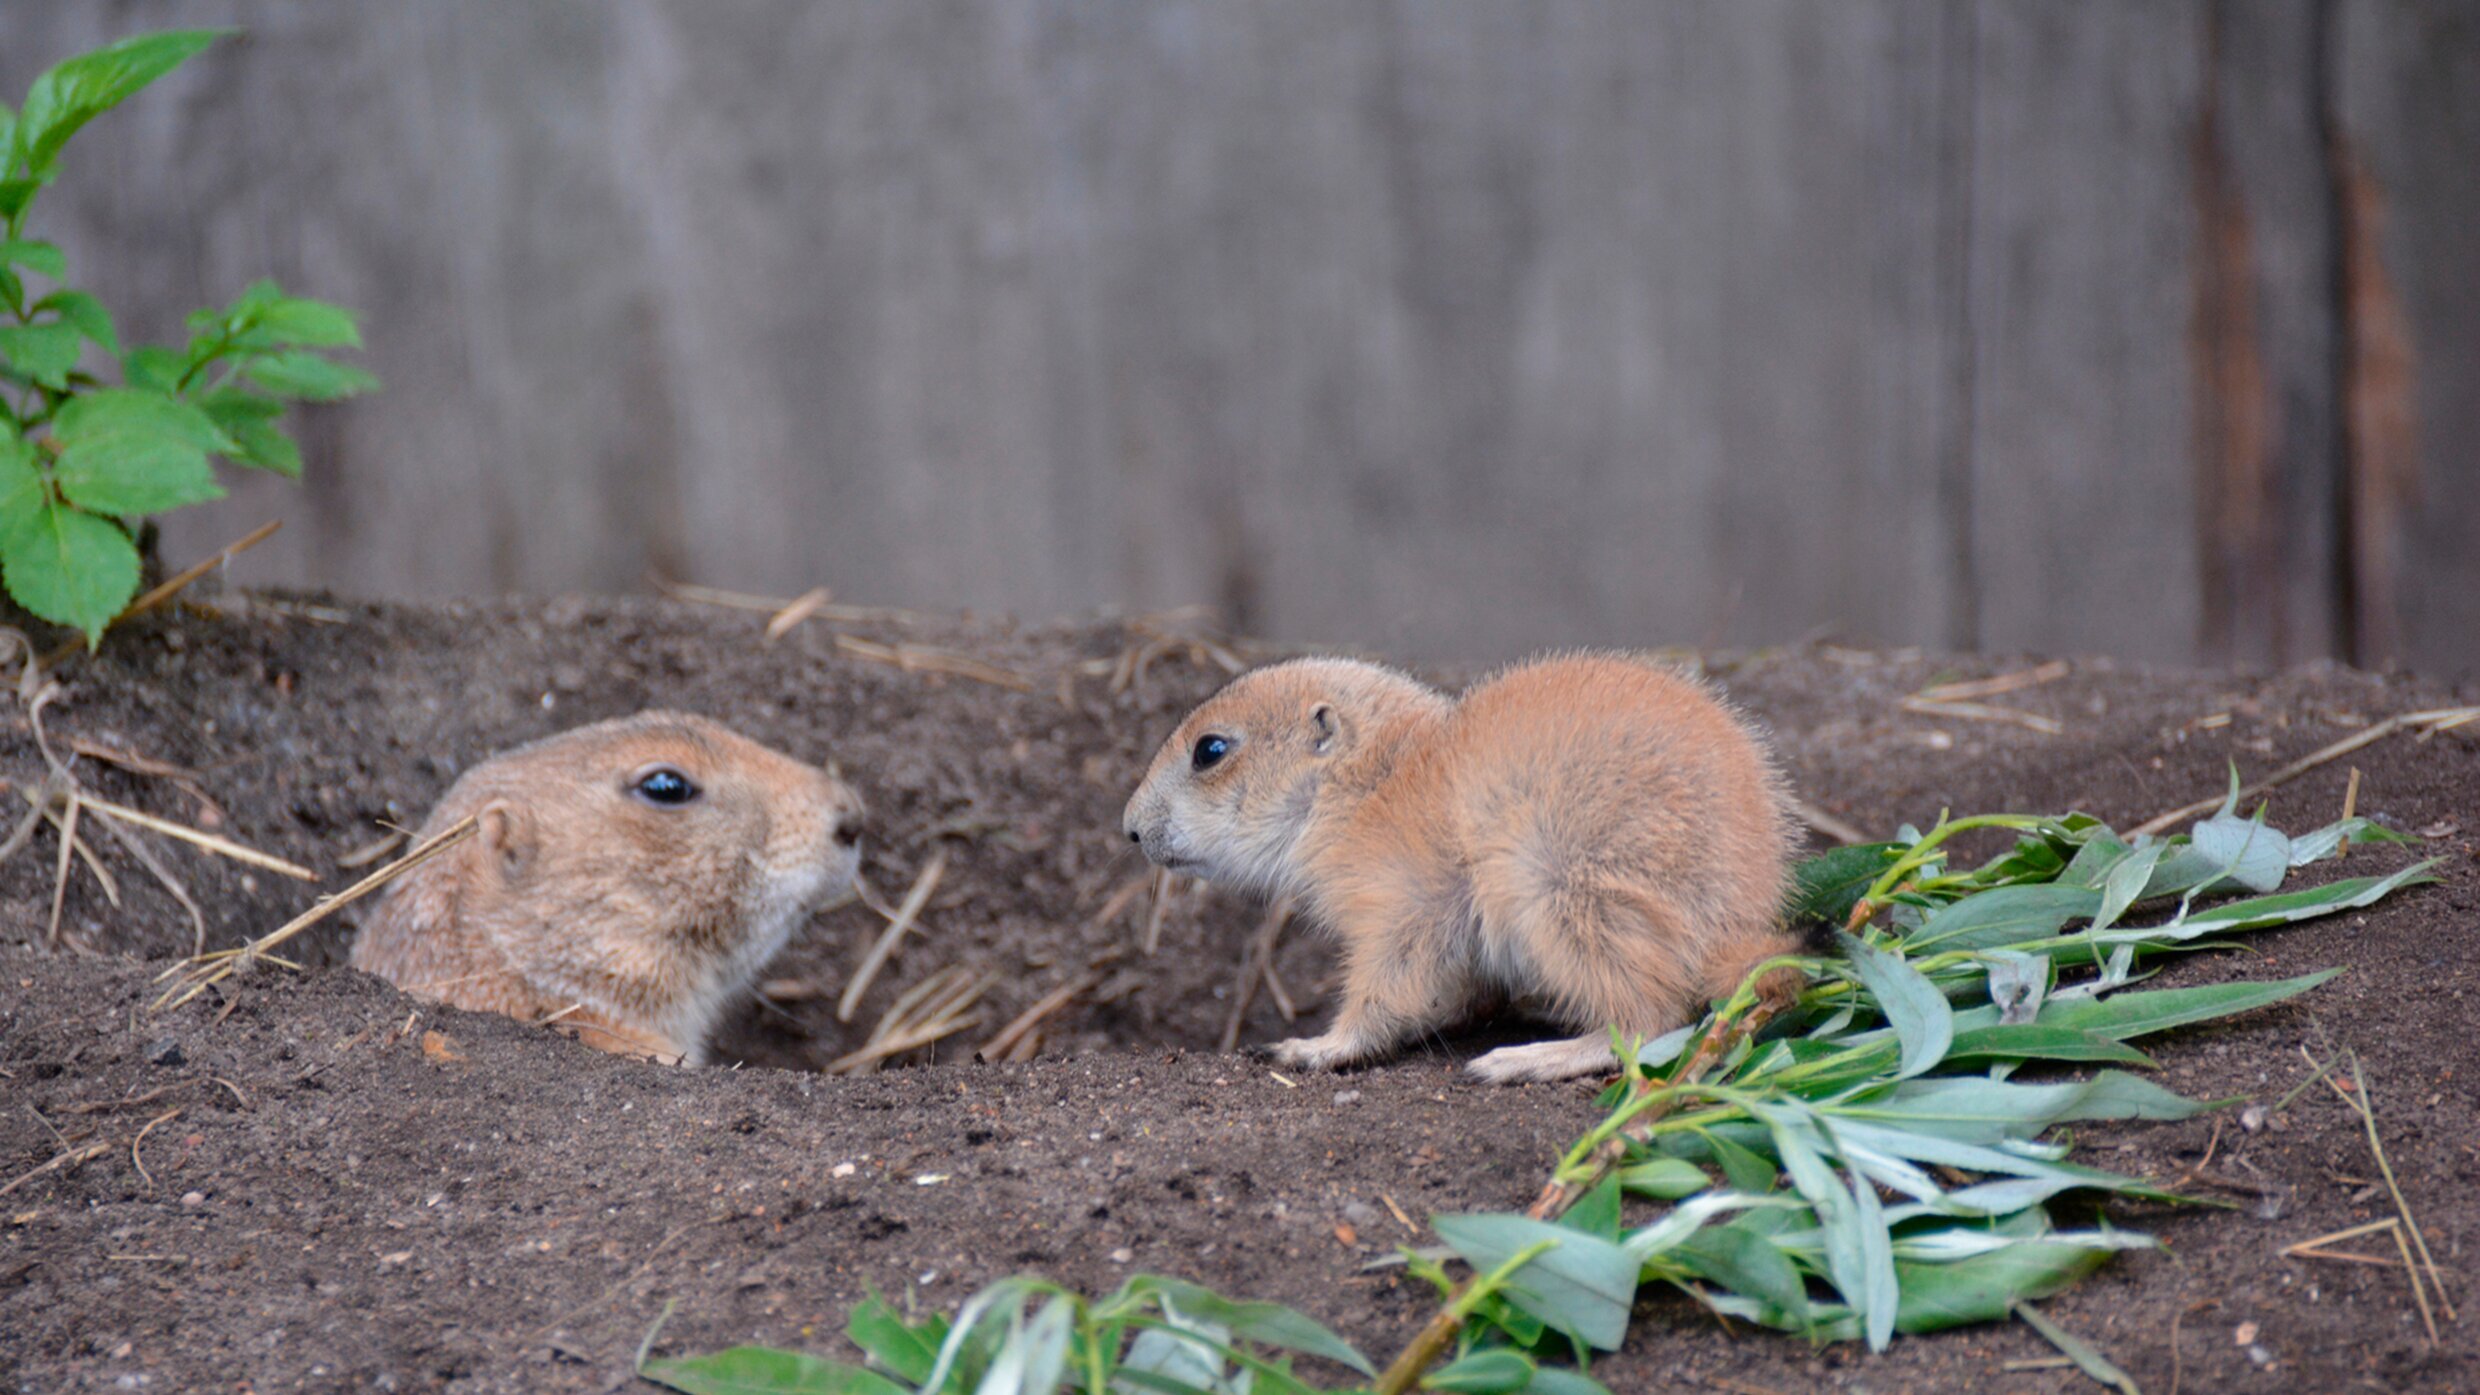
(1025, 1335)
(1867, 1165)
(81, 460)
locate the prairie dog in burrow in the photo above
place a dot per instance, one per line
(1590, 832)
(625, 880)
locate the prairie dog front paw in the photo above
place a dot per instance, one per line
(1328, 1052)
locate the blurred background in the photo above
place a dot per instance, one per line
(1457, 328)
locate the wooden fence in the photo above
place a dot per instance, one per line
(1460, 327)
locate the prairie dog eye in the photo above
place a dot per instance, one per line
(662, 785)
(1209, 752)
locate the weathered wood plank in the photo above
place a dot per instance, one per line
(2084, 517)
(2409, 101)
(2265, 335)
(1458, 328)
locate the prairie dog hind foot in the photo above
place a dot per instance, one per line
(1545, 1061)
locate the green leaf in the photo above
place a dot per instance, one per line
(127, 451)
(2326, 841)
(1745, 1262)
(307, 376)
(1495, 1310)
(1983, 1287)
(979, 1330)
(2256, 913)
(1827, 886)
(1858, 1262)
(1156, 1359)
(877, 1328)
(308, 324)
(1597, 1211)
(1667, 1179)
(23, 494)
(1265, 1377)
(15, 194)
(2035, 1165)
(1877, 1253)
(86, 314)
(1987, 1111)
(2124, 1015)
(2250, 854)
(1497, 1371)
(2004, 916)
(1035, 1354)
(83, 88)
(1681, 1221)
(42, 353)
(1584, 1287)
(249, 420)
(2092, 862)
(1913, 1006)
(70, 568)
(2045, 1041)
(1146, 1378)
(1553, 1380)
(41, 257)
(2125, 884)
(1744, 1169)
(154, 367)
(1270, 1324)
(765, 1371)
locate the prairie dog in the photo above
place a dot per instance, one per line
(1589, 831)
(624, 880)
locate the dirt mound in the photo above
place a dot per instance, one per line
(346, 1201)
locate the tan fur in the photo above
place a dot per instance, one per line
(629, 923)
(1589, 831)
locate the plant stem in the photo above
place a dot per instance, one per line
(1433, 1337)
(1917, 855)
(1767, 993)
(1765, 996)
(1097, 1365)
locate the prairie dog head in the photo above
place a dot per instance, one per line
(1232, 788)
(628, 877)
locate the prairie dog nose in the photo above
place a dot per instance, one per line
(1135, 837)
(848, 816)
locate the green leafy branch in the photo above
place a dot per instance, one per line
(1847, 1163)
(81, 458)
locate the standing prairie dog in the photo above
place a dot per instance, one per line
(1589, 831)
(624, 880)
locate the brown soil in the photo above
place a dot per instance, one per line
(336, 1206)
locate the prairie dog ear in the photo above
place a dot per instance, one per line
(506, 833)
(1327, 729)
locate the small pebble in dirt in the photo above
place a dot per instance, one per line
(165, 1052)
(1347, 1096)
(1360, 1213)
(193, 1198)
(1122, 1255)
(841, 1170)
(2252, 1118)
